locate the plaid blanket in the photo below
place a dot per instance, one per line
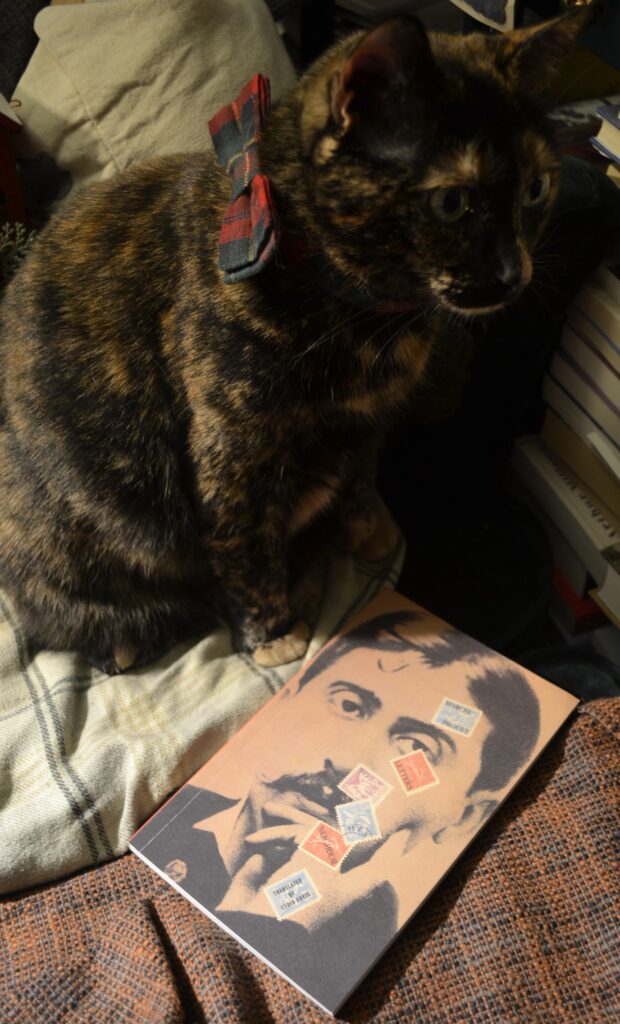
(523, 931)
(85, 758)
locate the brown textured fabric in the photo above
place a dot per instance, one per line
(525, 928)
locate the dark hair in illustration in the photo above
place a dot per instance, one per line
(503, 694)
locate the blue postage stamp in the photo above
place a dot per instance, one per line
(358, 822)
(457, 717)
(291, 894)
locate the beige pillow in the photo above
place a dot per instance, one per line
(113, 82)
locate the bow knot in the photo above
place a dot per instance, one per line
(250, 231)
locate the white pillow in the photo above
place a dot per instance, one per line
(113, 82)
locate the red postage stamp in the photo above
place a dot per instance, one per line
(414, 772)
(364, 784)
(326, 844)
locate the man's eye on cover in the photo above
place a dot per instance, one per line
(348, 702)
(406, 743)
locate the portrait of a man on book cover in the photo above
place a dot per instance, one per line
(317, 831)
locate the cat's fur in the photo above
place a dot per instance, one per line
(164, 434)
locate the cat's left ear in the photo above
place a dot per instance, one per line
(531, 57)
(382, 83)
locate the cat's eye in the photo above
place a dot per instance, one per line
(449, 204)
(537, 190)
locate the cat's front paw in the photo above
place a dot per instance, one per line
(283, 649)
(370, 531)
(120, 659)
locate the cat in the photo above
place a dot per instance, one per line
(163, 434)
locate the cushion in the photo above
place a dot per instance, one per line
(113, 82)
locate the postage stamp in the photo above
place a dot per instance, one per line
(291, 894)
(364, 784)
(358, 822)
(457, 717)
(414, 772)
(325, 844)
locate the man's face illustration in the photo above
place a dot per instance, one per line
(346, 716)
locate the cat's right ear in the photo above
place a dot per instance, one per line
(374, 97)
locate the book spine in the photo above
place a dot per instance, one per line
(591, 334)
(581, 459)
(594, 404)
(582, 522)
(583, 425)
(599, 372)
(602, 310)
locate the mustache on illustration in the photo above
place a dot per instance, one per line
(320, 787)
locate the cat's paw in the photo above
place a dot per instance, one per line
(360, 523)
(370, 531)
(122, 658)
(283, 649)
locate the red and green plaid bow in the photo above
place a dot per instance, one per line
(250, 232)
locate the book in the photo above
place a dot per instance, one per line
(606, 641)
(607, 277)
(586, 394)
(592, 335)
(579, 421)
(601, 309)
(572, 613)
(607, 595)
(589, 527)
(613, 172)
(582, 459)
(607, 139)
(565, 558)
(575, 122)
(323, 825)
(588, 360)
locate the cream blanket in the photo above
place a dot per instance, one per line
(85, 758)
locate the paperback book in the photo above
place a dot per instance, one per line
(323, 825)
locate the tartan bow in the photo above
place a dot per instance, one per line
(250, 231)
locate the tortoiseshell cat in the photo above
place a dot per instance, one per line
(164, 434)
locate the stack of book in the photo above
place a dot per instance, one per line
(607, 140)
(571, 471)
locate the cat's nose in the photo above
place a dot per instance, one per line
(509, 272)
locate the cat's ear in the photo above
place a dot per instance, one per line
(531, 57)
(376, 91)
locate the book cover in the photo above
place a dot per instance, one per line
(565, 559)
(602, 310)
(608, 136)
(579, 420)
(592, 334)
(572, 613)
(581, 458)
(315, 834)
(606, 151)
(599, 372)
(607, 277)
(607, 595)
(586, 394)
(585, 522)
